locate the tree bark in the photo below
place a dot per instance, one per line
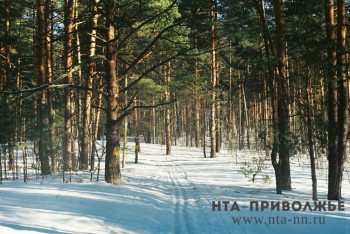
(49, 72)
(332, 111)
(112, 165)
(213, 108)
(230, 107)
(153, 119)
(175, 125)
(282, 94)
(239, 113)
(9, 84)
(167, 111)
(87, 134)
(125, 124)
(137, 130)
(268, 83)
(343, 99)
(196, 105)
(96, 113)
(44, 149)
(311, 144)
(68, 139)
(7, 79)
(218, 133)
(246, 115)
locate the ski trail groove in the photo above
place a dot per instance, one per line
(218, 224)
(182, 217)
(188, 201)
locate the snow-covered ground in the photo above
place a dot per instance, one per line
(173, 194)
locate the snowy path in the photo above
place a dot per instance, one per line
(188, 208)
(191, 201)
(162, 194)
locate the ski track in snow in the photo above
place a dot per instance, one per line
(190, 196)
(161, 194)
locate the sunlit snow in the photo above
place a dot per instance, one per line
(171, 194)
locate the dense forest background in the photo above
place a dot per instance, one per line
(267, 75)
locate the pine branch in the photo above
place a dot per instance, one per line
(49, 86)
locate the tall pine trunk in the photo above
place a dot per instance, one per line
(68, 139)
(137, 121)
(125, 124)
(196, 106)
(49, 72)
(282, 94)
(343, 99)
(268, 83)
(96, 114)
(168, 136)
(44, 149)
(112, 165)
(213, 109)
(332, 102)
(311, 141)
(87, 134)
(9, 85)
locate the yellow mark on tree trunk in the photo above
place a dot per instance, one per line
(116, 152)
